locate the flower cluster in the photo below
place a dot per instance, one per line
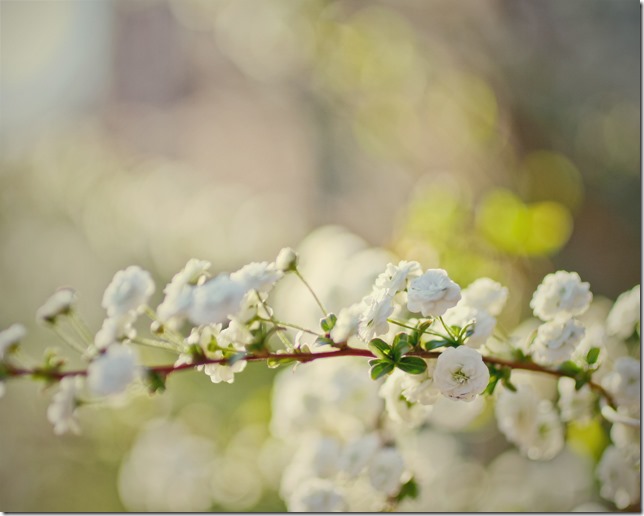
(435, 358)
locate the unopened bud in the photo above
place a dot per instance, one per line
(286, 260)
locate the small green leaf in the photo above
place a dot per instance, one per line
(380, 369)
(412, 365)
(592, 356)
(380, 348)
(494, 380)
(401, 346)
(437, 343)
(569, 368)
(408, 490)
(274, 362)
(508, 384)
(327, 323)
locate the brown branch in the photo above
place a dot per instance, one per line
(344, 351)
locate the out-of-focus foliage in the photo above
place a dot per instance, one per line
(496, 138)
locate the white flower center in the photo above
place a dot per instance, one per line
(459, 376)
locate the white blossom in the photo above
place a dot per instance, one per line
(286, 259)
(130, 289)
(432, 293)
(62, 410)
(480, 322)
(556, 341)
(356, 454)
(216, 299)
(623, 382)
(236, 335)
(112, 372)
(594, 337)
(420, 388)
(222, 372)
(260, 276)
(395, 277)
(10, 338)
(179, 292)
(385, 470)
(399, 410)
(115, 329)
(529, 422)
(624, 316)
(316, 495)
(619, 474)
(461, 374)
(347, 323)
(561, 294)
(376, 309)
(485, 294)
(59, 303)
(575, 405)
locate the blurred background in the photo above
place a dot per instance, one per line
(487, 137)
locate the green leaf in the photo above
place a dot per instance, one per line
(412, 365)
(494, 380)
(401, 346)
(592, 356)
(380, 368)
(569, 368)
(155, 381)
(274, 362)
(380, 348)
(327, 323)
(437, 343)
(508, 384)
(408, 490)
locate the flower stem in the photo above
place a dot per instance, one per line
(317, 299)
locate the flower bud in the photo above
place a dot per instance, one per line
(286, 260)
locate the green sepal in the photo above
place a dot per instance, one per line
(380, 368)
(328, 323)
(412, 365)
(155, 381)
(592, 356)
(408, 490)
(380, 348)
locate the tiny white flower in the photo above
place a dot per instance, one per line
(260, 276)
(115, 329)
(130, 289)
(111, 372)
(377, 307)
(216, 299)
(623, 382)
(420, 388)
(594, 337)
(236, 335)
(575, 405)
(485, 294)
(395, 277)
(222, 372)
(625, 314)
(556, 341)
(461, 374)
(10, 338)
(178, 293)
(619, 474)
(286, 259)
(480, 322)
(347, 323)
(316, 495)
(561, 294)
(433, 293)
(59, 303)
(385, 470)
(62, 410)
